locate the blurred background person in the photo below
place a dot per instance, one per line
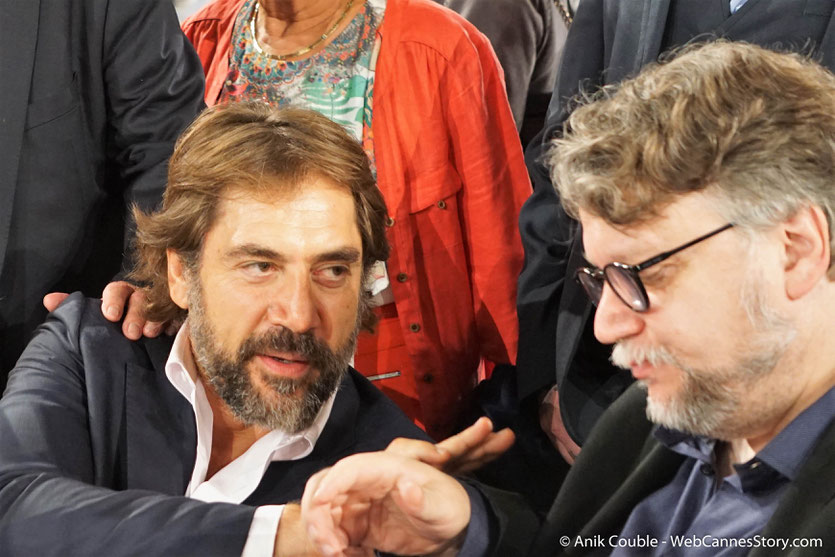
(94, 95)
(528, 36)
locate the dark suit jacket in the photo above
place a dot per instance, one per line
(97, 448)
(611, 40)
(92, 96)
(622, 464)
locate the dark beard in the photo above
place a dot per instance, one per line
(282, 407)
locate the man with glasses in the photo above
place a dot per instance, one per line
(705, 192)
(610, 41)
(625, 280)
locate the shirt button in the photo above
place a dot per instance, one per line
(389, 222)
(414, 327)
(402, 277)
(441, 204)
(706, 469)
(427, 378)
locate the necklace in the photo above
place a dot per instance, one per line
(301, 51)
(565, 12)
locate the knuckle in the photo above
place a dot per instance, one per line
(398, 443)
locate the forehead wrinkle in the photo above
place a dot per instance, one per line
(654, 242)
(617, 256)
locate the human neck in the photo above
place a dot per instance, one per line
(289, 25)
(230, 437)
(809, 396)
(810, 376)
(805, 373)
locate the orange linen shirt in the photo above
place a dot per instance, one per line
(450, 166)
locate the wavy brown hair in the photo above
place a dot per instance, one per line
(253, 148)
(753, 126)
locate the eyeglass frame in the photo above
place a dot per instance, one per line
(600, 276)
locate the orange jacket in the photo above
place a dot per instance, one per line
(450, 166)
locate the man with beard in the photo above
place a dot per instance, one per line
(704, 189)
(192, 445)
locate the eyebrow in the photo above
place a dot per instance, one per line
(344, 254)
(253, 250)
(620, 260)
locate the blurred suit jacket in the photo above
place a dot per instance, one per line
(92, 97)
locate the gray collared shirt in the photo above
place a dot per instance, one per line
(699, 513)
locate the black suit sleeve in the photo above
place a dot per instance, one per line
(52, 499)
(547, 235)
(154, 88)
(547, 232)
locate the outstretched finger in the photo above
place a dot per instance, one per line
(423, 451)
(476, 446)
(462, 443)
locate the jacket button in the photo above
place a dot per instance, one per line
(441, 204)
(389, 222)
(414, 327)
(427, 378)
(402, 277)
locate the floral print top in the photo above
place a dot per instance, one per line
(337, 81)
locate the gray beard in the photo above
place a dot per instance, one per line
(711, 402)
(289, 405)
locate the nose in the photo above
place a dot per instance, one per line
(614, 320)
(293, 304)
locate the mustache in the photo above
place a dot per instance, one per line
(625, 354)
(317, 353)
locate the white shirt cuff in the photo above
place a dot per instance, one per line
(260, 542)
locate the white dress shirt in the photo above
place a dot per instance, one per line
(238, 479)
(736, 4)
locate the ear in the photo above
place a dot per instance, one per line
(178, 284)
(807, 250)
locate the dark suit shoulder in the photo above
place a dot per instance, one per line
(60, 342)
(77, 340)
(79, 319)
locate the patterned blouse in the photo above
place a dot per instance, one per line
(337, 81)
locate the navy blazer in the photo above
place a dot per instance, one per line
(97, 447)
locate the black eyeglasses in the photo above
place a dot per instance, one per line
(624, 279)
